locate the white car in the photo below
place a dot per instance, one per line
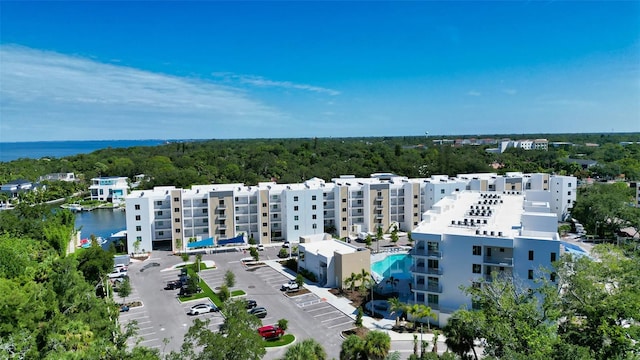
(260, 247)
(117, 274)
(202, 309)
(288, 286)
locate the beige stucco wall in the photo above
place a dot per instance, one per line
(176, 194)
(345, 264)
(263, 198)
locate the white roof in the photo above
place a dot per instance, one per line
(326, 248)
(506, 211)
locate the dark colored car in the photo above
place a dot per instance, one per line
(124, 308)
(250, 304)
(259, 312)
(173, 285)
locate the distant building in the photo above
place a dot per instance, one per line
(636, 193)
(525, 144)
(584, 163)
(112, 189)
(69, 177)
(15, 187)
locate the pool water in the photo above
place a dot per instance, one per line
(396, 265)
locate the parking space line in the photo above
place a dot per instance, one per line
(154, 339)
(320, 308)
(327, 313)
(341, 324)
(335, 318)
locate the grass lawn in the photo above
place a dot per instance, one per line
(206, 290)
(238, 293)
(203, 266)
(284, 340)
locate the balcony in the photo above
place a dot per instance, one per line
(498, 261)
(379, 216)
(426, 270)
(434, 288)
(426, 252)
(221, 207)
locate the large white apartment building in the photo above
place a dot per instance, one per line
(476, 234)
(169, 217)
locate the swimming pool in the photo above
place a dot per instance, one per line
(396, 265)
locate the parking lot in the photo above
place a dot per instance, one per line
(162, 321)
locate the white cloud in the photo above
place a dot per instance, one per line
(48, 96)
(474, 93)
(260, 81)
(510, 91)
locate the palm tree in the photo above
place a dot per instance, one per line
(377, 345)
(308, 349)
(419, 312)
(352, 348)
(393, 282)
(396, 307)
(461, 330)
(350, 282)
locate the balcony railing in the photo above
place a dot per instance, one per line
(435, 288)
(426, 252)
(498, 261)
(426, 270)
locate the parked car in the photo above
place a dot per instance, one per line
(185, 292)
(270, 331)
(286, 244)
(117, 274)
(291, 285)
(260, 247)
(173, 285)
(124, 308)
(120, 267)
(250, 304)
(259, 312)
(202, 309)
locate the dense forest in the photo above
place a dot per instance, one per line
(294, 160)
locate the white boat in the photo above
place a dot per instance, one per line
(72, 207)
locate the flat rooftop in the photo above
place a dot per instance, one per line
(326, 248)
(466, 212)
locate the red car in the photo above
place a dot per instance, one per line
(270, 331)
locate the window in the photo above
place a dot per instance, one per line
(296, 227)
(295, 208)
(501, 249)
(531, 255)
(160, 202)
(314, 226)
(205, 211)
(432, 299)
(314, 216)
(237, 199)
(295, 218)
(568, 201)
(313, 197)
(137, 206)
(569, 193)
(177, 231)
(359, 202)
(553, 257)
(264, 234)
(441, 191)
(264, 214)
(415, 196)
(137, 217)
(160, 213)
(160, 233)
(295, 198)
(223, 232)
(176, 220)
(552, 276)
(344, 209)
(344, 228)
(264, 205)
(415, 223)
(139, 238)
(344, 219)
(176, 199)
(344, 200)
(176, 209)
(204, 201)
(160, 223)
(477, 268)
(313, 207)
(477, 250)
(221, 202)
(530, 276)
(415, 206)
(264, 224)
(138, 228)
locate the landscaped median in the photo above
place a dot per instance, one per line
(206, 290)
(282, 341)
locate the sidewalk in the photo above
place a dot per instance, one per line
(344, 305)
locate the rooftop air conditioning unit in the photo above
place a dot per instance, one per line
(484, 232)
(499, 233)
(493, 233)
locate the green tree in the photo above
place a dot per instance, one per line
(308, 349)
(124, 289)
(229, 278)
(368, 240)
(420, 313)
(461, 330)
(94, 263)
(299, 280)
(396, 307)
(136, 246)
(184, 256)
(283, 324)
(237, 338)
(352, 348)
(350, 281)
(359, 315)
(224, 294)
(394, 235)
(198, 262)
(254, 253)
(377, 345)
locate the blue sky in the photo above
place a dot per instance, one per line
(200, 70)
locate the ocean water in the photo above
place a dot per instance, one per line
(35, 150)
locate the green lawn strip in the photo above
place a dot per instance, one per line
(238, 293)
(284, 340)
(203, 266)
(206, 290)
